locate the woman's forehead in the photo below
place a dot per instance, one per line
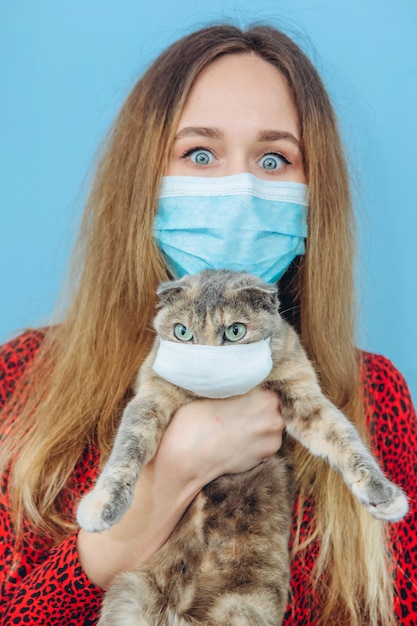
(240, 89)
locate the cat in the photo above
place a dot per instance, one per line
(227, 562)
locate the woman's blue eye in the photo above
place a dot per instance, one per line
(201, 157)
(273, 161)
(183, 333)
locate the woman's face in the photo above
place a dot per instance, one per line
(239, 117)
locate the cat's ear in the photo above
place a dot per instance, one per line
(169, 291)
(261, 295)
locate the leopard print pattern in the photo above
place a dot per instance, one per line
(45, 584)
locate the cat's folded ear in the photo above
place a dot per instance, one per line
(259, 293)
(169, 291)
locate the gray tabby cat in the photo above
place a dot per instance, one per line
(227, 562)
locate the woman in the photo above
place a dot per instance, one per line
(219, 102)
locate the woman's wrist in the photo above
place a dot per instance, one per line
(160, 500)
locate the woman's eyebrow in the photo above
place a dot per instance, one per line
(200, 131)
(275, 135)
(215, 133)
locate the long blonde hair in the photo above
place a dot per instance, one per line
(83, 375)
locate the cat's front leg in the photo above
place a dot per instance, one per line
(136, 442)
(383, 499)
(327, 433)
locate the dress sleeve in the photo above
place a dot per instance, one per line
(15, 357)
(393, 427)
(41, 583)
(56, 592)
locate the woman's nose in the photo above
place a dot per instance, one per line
(237, 163)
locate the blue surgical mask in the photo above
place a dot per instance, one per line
(239, 222)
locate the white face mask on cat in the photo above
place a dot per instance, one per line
(214, 371)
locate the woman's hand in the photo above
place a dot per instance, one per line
(215, 437)
(205, 439)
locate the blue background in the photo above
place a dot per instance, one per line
(66, 67)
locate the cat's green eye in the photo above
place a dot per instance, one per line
(183, 333)
(234, 332)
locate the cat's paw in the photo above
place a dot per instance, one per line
(98, 510)
(384, 500)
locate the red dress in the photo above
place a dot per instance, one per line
(45, 584)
